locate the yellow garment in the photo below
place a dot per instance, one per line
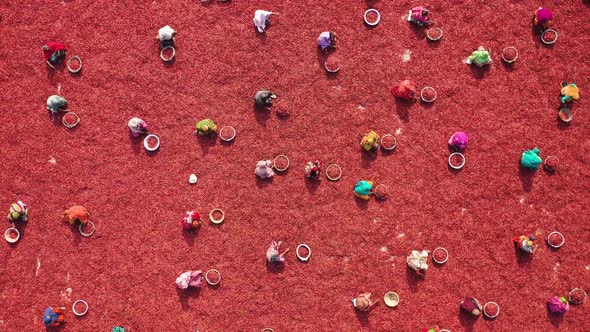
(370, 140)
(571, 90)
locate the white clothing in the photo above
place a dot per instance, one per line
(260, 18)
(264, 169)
(417, 260)
(166, 33)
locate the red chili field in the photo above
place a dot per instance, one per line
(127, 270)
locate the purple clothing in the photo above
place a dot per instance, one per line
(558, 305)
(325, 40)
(459, 140)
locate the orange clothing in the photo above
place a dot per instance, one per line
(77, 213)
(60, 319)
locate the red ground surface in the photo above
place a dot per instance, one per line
(126, 271)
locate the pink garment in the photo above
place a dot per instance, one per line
(558, 305)
(418, 15)
(191, 220)
(189, 278)
(459, 140)
(273, 253)
(264, 169)
(544, 15)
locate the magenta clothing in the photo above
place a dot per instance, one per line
(469, 304)
(459, 140)
(418, 15)
(191, 220)
(558, 305)
(544, 15)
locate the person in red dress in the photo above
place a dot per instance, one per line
(54, 52)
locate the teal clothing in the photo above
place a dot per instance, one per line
(531, 159)
(118, 329)
(363, 188)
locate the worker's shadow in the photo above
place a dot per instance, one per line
(189, 236)
(261, 183)
(185, 294)
(509, 66)
(419, 31)
(206, 141)
(361, 203)
(262, 114)
(413, 279)
(55, 328)
(362, 316)
(526, 176)
(56, 118)
(479, 72)
(368, 156)
(58, 67)
(524, 259)
(275, 267)
(135, 143)
(402, 108)
(311, 184)
(554, 318)
(467, 320)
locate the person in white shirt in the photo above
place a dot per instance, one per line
(261, 19)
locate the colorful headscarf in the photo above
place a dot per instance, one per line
(191, 220)
(18, 210)
(526, 243)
